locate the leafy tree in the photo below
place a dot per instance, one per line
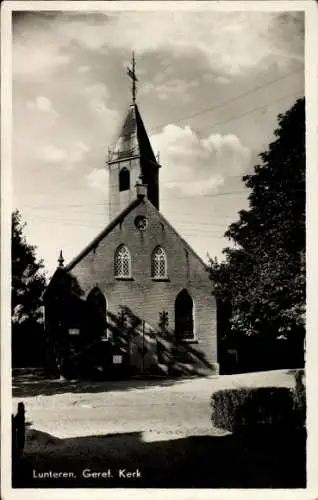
(28, 278)
(263, 276)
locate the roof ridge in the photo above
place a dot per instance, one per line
(110, 226)
(179, 236)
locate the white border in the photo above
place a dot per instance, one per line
(311, 81)
(311, 9)
(6, 197)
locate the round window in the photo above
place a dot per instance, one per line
(141, 223)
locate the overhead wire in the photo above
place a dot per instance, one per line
(230, 100)
(210, 195)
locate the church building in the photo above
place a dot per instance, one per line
(137, 299)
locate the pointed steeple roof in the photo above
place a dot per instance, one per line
(132, 159)
(133, 140)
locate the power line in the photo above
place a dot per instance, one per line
(188, 232)
(200, 223)
(184, 224)
(248, 112)
(101, 214)
(229, 101)
(171, 181)
(233, 99)
(212, 195)
(230, 176)
(212, 237)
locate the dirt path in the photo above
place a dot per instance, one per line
(162, 429)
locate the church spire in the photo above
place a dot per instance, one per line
(132, 159)
(132, 74)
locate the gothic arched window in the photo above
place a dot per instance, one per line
(159, 263)
(124, 179)
(122, 262)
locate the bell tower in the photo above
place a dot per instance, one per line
(132, 159)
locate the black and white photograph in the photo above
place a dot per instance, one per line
(157, 213)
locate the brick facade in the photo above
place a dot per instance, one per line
(134, 191)
(145, 297)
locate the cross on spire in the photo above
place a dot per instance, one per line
(132, 74)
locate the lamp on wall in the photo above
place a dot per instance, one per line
(141, 189)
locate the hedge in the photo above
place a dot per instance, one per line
(239, 409)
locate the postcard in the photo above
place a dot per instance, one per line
(158, 180)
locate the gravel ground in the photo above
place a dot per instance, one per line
(162, 428)
(179, 409)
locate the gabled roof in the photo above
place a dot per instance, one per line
(133, 140)
(186, 244)
(119, 218)
(62, 282)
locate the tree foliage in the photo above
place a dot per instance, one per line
(28, 278)
(263, 275)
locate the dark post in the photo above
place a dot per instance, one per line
(18, 434)
(20, 424)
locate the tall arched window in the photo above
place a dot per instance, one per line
(122, 262)
(184, 320)
(97, 312)
(124, 179)
(159, 264)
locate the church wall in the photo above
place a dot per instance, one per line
(144, 296)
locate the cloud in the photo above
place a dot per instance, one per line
(32, 60)
(98, 179)
(231, 42)
(170, 89)
(52, 154)
(79, 151)
(96, 90)
(36, 53)
(197, 165)
(219, 79)
(97, 95)
(86, 31)
(222, 80)
(42, 103)
(67, 157)
(83, 69)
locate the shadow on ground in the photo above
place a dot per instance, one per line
(33, 384)
(263, 459)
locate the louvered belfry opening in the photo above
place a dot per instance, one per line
(124, 179)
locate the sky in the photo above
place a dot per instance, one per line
(210, 87)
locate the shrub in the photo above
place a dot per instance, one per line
(224, 405)
(239, 409)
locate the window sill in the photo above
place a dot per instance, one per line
(124, 278)
(160, 279)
